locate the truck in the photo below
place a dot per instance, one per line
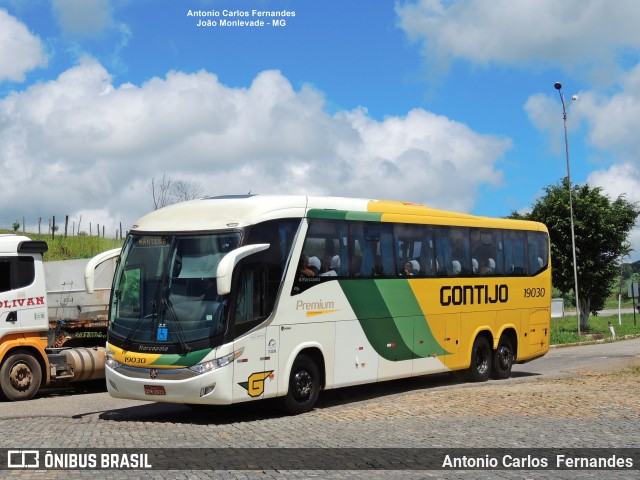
(46, 336)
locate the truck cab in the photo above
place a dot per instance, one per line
(27, 359)
(23, 317)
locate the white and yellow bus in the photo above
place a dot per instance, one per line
(238, 298)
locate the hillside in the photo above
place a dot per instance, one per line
(82, 246)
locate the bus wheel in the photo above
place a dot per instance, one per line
(304, 386)
(20, 377)
(502, 360)
(480, 360)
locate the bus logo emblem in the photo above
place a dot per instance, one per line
(255, 383)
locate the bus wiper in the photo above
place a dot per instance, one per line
(171, 317)
(128, 341)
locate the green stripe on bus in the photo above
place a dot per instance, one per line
(187, 360)
(411, 322)
(364, 216)
(327, 214)
(344, 215)
(377, 323)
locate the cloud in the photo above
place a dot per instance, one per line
(572, 34)
(81, 144)
(619, 179)
(83, 18)
(613, 119)
(21, 50)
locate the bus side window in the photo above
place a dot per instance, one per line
(250, 306)
(537, 243)
(325, 246)
(413, 250)
(444, 265)
(514, 252)
(484, 251)
(376, 242)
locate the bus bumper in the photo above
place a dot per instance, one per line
(171, 385)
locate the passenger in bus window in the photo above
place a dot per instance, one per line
(456, 267)
(330, 267)
(314, 265)
(324, 265)
(303, 268)
(488, 267)
(415, 267)
(406, 270)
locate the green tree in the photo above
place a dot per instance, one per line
(601, 229)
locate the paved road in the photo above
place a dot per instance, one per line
(571, 398)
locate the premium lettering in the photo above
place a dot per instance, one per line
(473, 295)
(319, 305)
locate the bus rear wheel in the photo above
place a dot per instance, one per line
(502, 360)
(480, 360)
(20, 377)
(304, 386)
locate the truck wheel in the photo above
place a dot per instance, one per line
(304, 386)
(502, 360)
(480, 360)
(20, 377)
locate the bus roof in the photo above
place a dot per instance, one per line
(237, 211)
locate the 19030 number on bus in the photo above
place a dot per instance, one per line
(534, 292)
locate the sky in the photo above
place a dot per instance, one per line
(450, 103)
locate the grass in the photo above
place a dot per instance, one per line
(612, 302)
(565, 330)
(82, 246)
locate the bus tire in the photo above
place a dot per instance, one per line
(304, 386)
(502, 360)
(20, 377)
(480, 360)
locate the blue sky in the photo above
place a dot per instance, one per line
(448, 103)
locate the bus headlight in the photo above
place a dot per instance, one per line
(216, 362)
(111, 362)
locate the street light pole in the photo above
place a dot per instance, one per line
(558, 86)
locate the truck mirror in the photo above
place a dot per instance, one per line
(228, 263)
(90, 269)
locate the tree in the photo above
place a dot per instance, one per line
(601, 229)
(170, 191)
(184, 190)
(160, 194)
(625, 251)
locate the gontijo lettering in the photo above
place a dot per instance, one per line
(473, 295)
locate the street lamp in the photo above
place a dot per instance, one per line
(558, 86)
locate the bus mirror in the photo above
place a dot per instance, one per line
(90, 269)
(228, 263)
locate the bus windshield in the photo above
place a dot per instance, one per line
(165, 290)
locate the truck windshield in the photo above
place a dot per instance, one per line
(165, 290)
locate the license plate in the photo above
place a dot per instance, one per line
(154, 390)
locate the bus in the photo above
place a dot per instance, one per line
(235, 298)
